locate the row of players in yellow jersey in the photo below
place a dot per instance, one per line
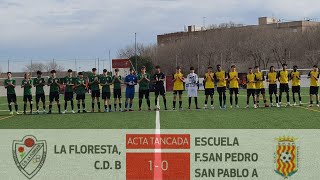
(255, 86)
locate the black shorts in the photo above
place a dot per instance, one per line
(106, 95)
(27, 98)
(261, 91)
(11, 98)
(117, 93)
(95, 93)
(251, 92)
(284, 87)
(80, 96)
(68, 96)
(314, 90)
(209, 91)
(295, 89)
(160, 91)
(234, 90)
(273, 89)
(178, 92)
(40, 96)
(221, 90)
(54, 96)
(145, 93)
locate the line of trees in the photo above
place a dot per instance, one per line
(44, 67)
(246, 47)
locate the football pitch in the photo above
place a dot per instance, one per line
(294, 117)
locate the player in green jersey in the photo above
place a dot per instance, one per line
(80, 86)
(39, 83)
(54, 84)
(117, 81)
(68, 91)
(144, 83)
(27, 95)
(10, 85)
(94, 82)
(105, 82)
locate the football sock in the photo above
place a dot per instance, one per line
(180, 104)
(16, 107)
(277, 99)
(299, 94)
(140, 103)
(84, 106)
(196, 101)
(31, 107)
(59, 108)
(72, 105)
(280, 97)
(237, 100)
(211, 102)
(78, 105)
(24, 107)
(109, 107)
(50, 107)
(130, 105)
(165, 103)
(231, 100)
(99, 105)
(189, 101)
(220, 100)
(92, 105)
(206, 102)
(105, 106)
(65, 105)
(294, 98)
(120, 105)
(271, 99)
(10, 107)
(174, 104)
(288, 98)
(148, 102)
(224, 99)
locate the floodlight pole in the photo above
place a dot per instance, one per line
(135, 50)
(110, 61)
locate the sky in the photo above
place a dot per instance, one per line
(65, 30)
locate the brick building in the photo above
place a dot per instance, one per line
(263, 23)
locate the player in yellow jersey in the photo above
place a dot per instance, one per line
(221, 78)
(295, 78)
(233, 79)
(208, 87)
(314, 84)
(251, 87)
(260, 86)
(178, 87)
(273, 89)
(283, 77)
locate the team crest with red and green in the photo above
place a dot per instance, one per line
(29, 155)
(286, 156)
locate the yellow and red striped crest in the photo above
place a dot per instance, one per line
(286, 157)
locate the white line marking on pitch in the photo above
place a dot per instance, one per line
(157, 159)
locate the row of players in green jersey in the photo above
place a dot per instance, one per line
(72, 85)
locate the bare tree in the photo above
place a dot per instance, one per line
(53, 65)
(35, 67)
